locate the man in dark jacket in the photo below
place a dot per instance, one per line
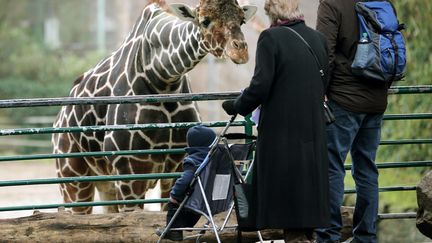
(290, 177)
(199, 139)
(358, 106)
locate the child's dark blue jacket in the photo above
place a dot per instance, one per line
(196, 156)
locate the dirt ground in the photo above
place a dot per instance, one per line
(27, 195)
(37, 194)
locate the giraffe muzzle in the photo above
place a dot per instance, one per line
(237, 51)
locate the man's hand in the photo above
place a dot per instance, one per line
(228, 106)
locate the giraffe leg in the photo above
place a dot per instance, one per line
(130, 190)
(107, 192)
(172, 165)
(166, 185)
(76, 191)
(133, 189)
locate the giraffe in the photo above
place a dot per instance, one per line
(153, 59)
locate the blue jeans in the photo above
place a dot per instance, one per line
(360, 134)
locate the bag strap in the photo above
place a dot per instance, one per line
(327, 111)
(310, 49)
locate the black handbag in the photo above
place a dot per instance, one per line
(243, 199)
(328, 113)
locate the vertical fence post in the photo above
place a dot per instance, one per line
(249, 126)
(249, 131)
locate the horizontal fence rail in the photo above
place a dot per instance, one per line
(84, 204)
(381, 216)
(15, 103)
(417, 116)
(47, 181)
(409, 215)
(391, 165)
(156, 151)
(153, 176)
(418, 89)
(107, 100)
(406, 141)
(50, 130)
(92, 154)
(387, 189)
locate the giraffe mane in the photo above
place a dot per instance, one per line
(161, 3)
(78, 80)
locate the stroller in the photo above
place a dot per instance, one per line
(212, 189)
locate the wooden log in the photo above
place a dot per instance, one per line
(347, 222)
(120, 227)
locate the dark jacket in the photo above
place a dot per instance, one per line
(337, 21)
(291, 173)
(196, 156)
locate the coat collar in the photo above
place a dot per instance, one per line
(288, 22)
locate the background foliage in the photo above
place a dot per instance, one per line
(416, 15)
(29, 68)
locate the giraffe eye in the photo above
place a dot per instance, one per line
(206, 22)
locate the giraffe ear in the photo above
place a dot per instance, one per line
(249, 11)
(183, 11)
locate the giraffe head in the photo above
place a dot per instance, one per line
(219, 22)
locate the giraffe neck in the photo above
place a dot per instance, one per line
(169, 49)
(154, 58)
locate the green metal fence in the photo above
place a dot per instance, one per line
(247, 124)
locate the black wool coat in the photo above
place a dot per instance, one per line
(291, 169)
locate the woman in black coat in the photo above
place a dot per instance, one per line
(291, 173)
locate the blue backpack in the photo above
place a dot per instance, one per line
(381, 52)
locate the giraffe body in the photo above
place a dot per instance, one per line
(153, 59)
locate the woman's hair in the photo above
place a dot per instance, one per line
(278, 10)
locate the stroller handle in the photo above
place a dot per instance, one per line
(235, 135)
(233, 118)
(227, 126)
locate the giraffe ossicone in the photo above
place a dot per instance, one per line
(154, 59)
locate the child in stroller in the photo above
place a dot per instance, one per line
(199, 139)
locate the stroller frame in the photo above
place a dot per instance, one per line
(197, 180)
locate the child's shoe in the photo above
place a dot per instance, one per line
(174, 235)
